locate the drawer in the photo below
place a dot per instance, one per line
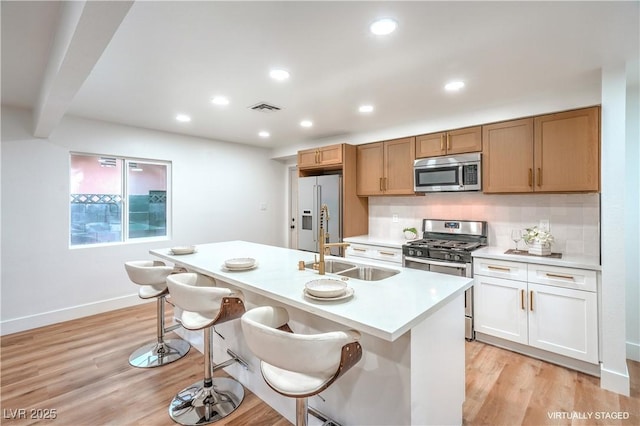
(387, 254)
(581, 279)
(500, 269)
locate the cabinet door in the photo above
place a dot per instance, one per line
(369, 168)
(564, 321)
(500, 308)
(567, 151)
(431, 145)
(507, 156)
(399, 155)
(307, 158)
(328, 155)
(464, 140)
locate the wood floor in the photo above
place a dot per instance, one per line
(78, 371)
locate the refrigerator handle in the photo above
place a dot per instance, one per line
(316, 212)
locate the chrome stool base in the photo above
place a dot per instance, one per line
(158, 354)
(197, 405)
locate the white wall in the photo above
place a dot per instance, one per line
(632, 218)
(217, 192)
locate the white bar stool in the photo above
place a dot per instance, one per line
(298, 365)
(151, 276)
(203, 306)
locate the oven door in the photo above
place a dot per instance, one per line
(449, 268)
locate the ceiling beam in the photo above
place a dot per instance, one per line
(84, 31)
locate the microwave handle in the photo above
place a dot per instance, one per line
(461, 175)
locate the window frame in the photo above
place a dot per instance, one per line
(125, 239)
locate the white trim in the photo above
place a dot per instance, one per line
(633, 351)
(29, 322)
(615, 381)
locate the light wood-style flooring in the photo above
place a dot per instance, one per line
(79, 369)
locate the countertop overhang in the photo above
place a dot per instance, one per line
(386, 309)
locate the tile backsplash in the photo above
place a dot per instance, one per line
(574, 218)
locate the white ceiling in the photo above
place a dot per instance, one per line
(169, 57)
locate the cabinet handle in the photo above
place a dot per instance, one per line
(381, 189)
(522, 300)
(386, 183)
(387, 253)
(358, 249)
(317, 156)
(499, 268)
(442, 142)
(566, 277)
(539, 176)
(531, 300)
(448, 142)
(530, 177)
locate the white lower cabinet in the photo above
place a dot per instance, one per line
(369, 251)
(556, 318)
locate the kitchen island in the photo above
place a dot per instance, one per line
(412, 325)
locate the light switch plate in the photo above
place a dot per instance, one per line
(394, 218)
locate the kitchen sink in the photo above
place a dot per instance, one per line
(333, 266)
(369, 273)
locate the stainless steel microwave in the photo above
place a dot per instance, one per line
(462, 172)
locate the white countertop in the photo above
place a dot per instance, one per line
(567, 260)
(376, 241)
(386, 309)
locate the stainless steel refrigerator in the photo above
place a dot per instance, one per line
(313, 192)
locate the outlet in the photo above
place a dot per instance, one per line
(263, 206)
(544, 225)
(394, 218)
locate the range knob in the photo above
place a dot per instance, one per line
(419, 253)
(412, 252)
(457, 257)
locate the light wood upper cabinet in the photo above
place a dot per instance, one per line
(386, 168)
(567, 151)
(320, 157)
(548, 153)
(457, 141)
(507, 156)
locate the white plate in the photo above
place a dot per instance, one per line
(183, 250)
(326, 287)
(240, 263)
(346, 295)
(248, 268)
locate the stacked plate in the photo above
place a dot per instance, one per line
(240, 264)
(183, 250)
(327, 289)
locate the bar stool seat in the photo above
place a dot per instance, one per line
(151, 276)
(298, 365)
(203, 306)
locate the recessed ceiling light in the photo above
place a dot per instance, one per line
(365, 108)
(220, 100)
(183, 118)
(279, 74)
(264, 134)
(383, 26)
(454, 86)
(306, 123)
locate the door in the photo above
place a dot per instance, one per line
(329, 192)
(564, 321)
(307, 207)
(507, 156)
(293, 207)
(501, 308)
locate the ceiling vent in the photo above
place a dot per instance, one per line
(265, 107)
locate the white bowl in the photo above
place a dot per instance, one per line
(183, 249)
(240, 263)
(326, 288)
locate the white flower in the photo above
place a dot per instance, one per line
(535, 235)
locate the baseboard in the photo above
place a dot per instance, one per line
(633, 351)
(615, 381)
(29, 322)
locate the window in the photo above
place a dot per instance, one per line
(116, 200)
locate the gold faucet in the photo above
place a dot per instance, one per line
(324, 237)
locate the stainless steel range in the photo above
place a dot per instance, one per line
(446, 247)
